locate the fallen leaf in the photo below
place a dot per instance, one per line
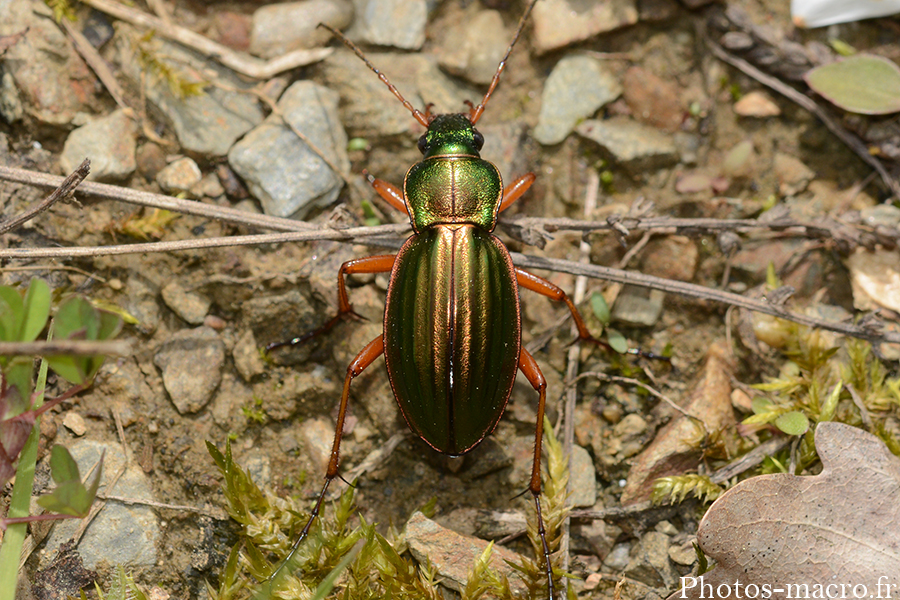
(864, 84)
(835, 528)
(675, 449)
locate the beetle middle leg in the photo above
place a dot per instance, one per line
(366, 357)
(545, 288)
(532, 372)
(369, 264)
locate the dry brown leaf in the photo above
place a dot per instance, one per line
(677, 447)
(841, 527)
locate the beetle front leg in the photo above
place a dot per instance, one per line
(370, 264)
(514, 191)
(366, 357)
(532, 372)
(388, 191)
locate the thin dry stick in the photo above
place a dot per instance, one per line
(242, 63)
(161, 505)
(640, 384)
(823, 229)
(872, 333)
(65, 188)
(139, 198)
(96, 62)
(584, 252)
(809, 104)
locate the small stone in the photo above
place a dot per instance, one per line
(684, 555)
(110, 144)
(246, 356)
(281, 28)
(151, 159)
(575, 89)
(452, 554)
(741, 400)
(209, 186)
(397, 23)
(638, 307)
(74, 423)
(740, 161)
(756, 104)
(618, 558)
(637, 147)
(215, 322)
(52, 82)
(631, 427)
(583, 478)
(190, 387)
(318, 438)
(672, 257)
(190, 306)
(650, 561)
(652, 100)
(881, 215)
(473, 47)
(207, 124)
(793, 176)
(10, 103)
(280, 169)
(559, 23)
(121, 533)
(179, 176)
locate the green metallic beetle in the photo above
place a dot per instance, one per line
(452, 339)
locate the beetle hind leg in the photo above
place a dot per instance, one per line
(366, 357)
(532, 372)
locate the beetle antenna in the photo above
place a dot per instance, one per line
(476, 112)
(416, 113)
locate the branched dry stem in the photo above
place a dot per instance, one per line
(871, 330)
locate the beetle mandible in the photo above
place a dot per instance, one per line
(452, 322)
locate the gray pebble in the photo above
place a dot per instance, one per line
(634, 146)
(280, 28)
(191, 362)
(474, 46)
(575, 89)
(280, 169)
(121, 533)
(559, 23)
(109, 142)
(190, 306)
(397, 23)
(179, 176)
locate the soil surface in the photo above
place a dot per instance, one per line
(201, 315)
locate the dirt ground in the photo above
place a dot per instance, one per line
(286, 406)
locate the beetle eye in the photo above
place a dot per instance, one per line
(423, 144)
(479, 140)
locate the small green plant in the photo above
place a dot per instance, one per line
(121, 587)
(678, 487)
(23, 316)
(354, 562)
(255, 411)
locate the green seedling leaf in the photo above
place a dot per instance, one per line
(36, 310)
(70, 497)
(600, 308)
(842, 47)
(760, 404)
(77, 319)
(17, 372)
(792, 423)
(63, 467)
(12, 312)
(616, 341)
(330, 580)
(864, 84)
